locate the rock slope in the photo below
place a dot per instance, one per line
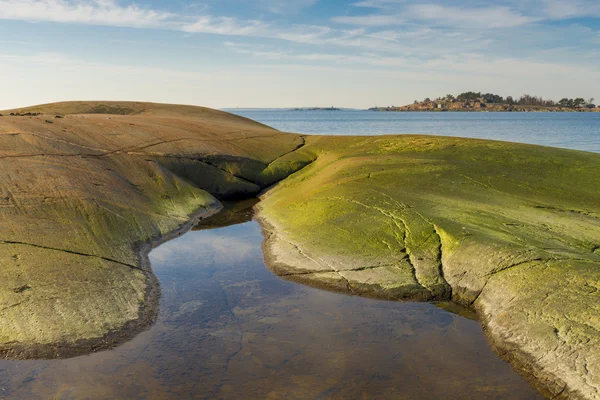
(83, 196)
(511, 230)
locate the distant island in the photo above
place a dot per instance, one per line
(317, 109)
(488, 102)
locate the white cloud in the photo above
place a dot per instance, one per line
(381, 4)
(225, 26)
(203, 247)
(523, 70)
(96, 12)
(17, 42)
(560, 9)
(499, 13)
(110, 12)
(351, 59)
(480, 17)
(68, 63)
(462, 17)
(286, 6)
(468, 64)
(306, 34)
(369, 20)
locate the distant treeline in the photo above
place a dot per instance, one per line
(525, 100)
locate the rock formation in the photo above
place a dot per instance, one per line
(511, 230)
(82, 199)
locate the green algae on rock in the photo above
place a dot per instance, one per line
(508, 229)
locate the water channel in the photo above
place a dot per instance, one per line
(229, 329)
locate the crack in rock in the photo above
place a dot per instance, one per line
(301, 252)
(75, 253)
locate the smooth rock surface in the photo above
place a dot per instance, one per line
(82, 199)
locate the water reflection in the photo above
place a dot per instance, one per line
(228, 329)
(233, 213)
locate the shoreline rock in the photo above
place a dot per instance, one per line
(84, 199)
(281, 264)
(523, 260)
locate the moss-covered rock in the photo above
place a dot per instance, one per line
(510, 229)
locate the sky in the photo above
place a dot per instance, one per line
(295, 53)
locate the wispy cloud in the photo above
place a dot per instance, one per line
(18, 42)
(111, 13)
(67, 62)
(497, 12)
(96, 12)
(559, 9)
(370, 20)
(226, 26)
(405, 22)
(479, 17)
(286, 6)
(466, 64)
(351, 59)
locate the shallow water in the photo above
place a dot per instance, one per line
(579, 131)
(228, 328)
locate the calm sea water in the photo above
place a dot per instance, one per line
(579, 131)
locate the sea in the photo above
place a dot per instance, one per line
(578, 131)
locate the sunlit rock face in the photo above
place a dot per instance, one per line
(84, 194)
(511, 230)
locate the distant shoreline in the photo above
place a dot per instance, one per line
(387, 109)
(489, 102)
(316, 109)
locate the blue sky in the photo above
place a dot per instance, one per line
(275, 53)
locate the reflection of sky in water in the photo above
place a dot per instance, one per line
(225, 245)
(228, 328)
